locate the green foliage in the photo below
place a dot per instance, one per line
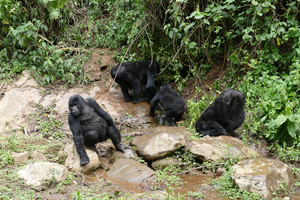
(51, 127)
(165, 177)
(5, 157)
(196, 195)
(186, 160)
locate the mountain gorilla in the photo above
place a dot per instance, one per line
(90, 124)
(224, 115)
(132, 74)
(172, 102)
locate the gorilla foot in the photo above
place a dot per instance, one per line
(127, 98)
(139, 100)
(84, 161)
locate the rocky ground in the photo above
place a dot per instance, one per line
(38, 158)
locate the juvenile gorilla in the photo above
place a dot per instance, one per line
(224, 115)
(132, 74)
(172, 102)
(90, 124)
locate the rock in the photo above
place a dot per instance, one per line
(11, 110)
(220, 171)
(129, 153)
(262, 176)
(216, 148)
(94, 91)
(165, 162)
(73, 160)
(27, 80)
(41, 174)
(20, 158)
(38, 156)
(131, 171)
(163, 142)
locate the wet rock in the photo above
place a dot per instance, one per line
(163, 142)
(73, 161)
(11, 110)
(131, 171)
(216, 148)
(41, 174)
(38, 156)
(262, 176)
(129, 153)
(20, 158)
(165, 162)
(220, 171)
(27, 80)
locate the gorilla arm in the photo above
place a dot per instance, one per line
(154, 102)
(78, 140)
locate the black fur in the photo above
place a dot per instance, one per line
(132, 74)
(224, 115)
(172, 102)
(90, 124)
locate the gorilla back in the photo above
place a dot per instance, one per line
(131, 75)
(224, 115)
(90, 124)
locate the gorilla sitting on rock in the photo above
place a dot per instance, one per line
(130, 75)
(173, 104)
(90, 124)
(224, 115)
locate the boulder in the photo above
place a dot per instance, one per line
(38, 156)
(11, 110)
(216, 148)
(41, 174)
(20, 158)
(262, 176)
(163, 142)
(27, 80)
(165, 162)
(73, 161)
(131, 171)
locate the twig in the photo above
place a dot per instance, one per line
(45, 39)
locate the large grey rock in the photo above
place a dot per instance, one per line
(37, 173)
(20, 158)
(216, 148)
(262, 176)
(131, 171)
(73, 161)
(11, 110)
(162, 142)
(27, 80)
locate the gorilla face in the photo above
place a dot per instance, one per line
(74, 109)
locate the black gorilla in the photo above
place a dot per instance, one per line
(172, 102)
(132, 74)
(224, 115)
(90, 124)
